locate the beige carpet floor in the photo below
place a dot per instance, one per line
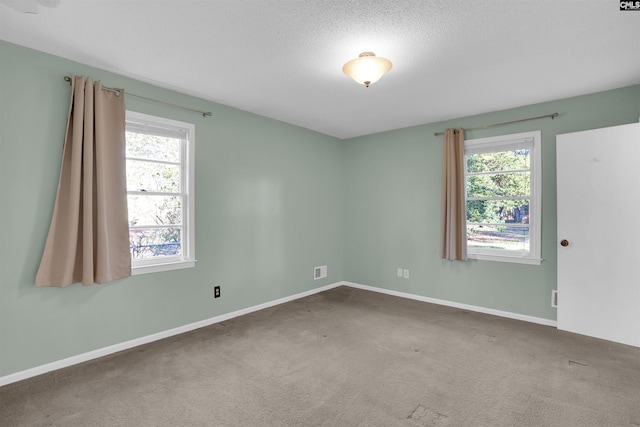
(345, 357)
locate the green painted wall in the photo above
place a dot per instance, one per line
(272, 201)
(392, 206)
(268, 209)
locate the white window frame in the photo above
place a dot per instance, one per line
(507, 142)
(187, 174)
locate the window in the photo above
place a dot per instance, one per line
(160, 161)
(503, 182)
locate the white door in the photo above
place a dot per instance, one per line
(598, 179)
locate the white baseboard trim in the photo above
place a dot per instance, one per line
(484, 310)
(105, 351)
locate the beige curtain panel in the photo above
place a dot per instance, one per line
(453, 218)
(88, 238)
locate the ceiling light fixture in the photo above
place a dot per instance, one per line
(367, 68)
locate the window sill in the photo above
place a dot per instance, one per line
(167, 266)
(499, 258)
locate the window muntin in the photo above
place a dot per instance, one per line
(502, 187)
(159, 155)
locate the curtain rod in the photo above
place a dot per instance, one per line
(553, 116)
(117, 92)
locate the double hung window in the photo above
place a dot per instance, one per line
(160, 154)
(502, 177)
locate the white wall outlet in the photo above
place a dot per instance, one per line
(399, 272)
(554, 299)
(320, 272)
(405, 273)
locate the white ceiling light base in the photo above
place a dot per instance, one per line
(29, 6)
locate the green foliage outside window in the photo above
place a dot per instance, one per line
(154, 219)
(506, 174)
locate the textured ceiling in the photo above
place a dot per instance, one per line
(283, 58)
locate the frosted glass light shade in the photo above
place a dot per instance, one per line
(367, 68)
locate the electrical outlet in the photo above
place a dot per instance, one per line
(399, 272)
(554, 299)
(405, 273)
(216, 292)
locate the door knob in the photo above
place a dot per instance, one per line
(564, 242)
